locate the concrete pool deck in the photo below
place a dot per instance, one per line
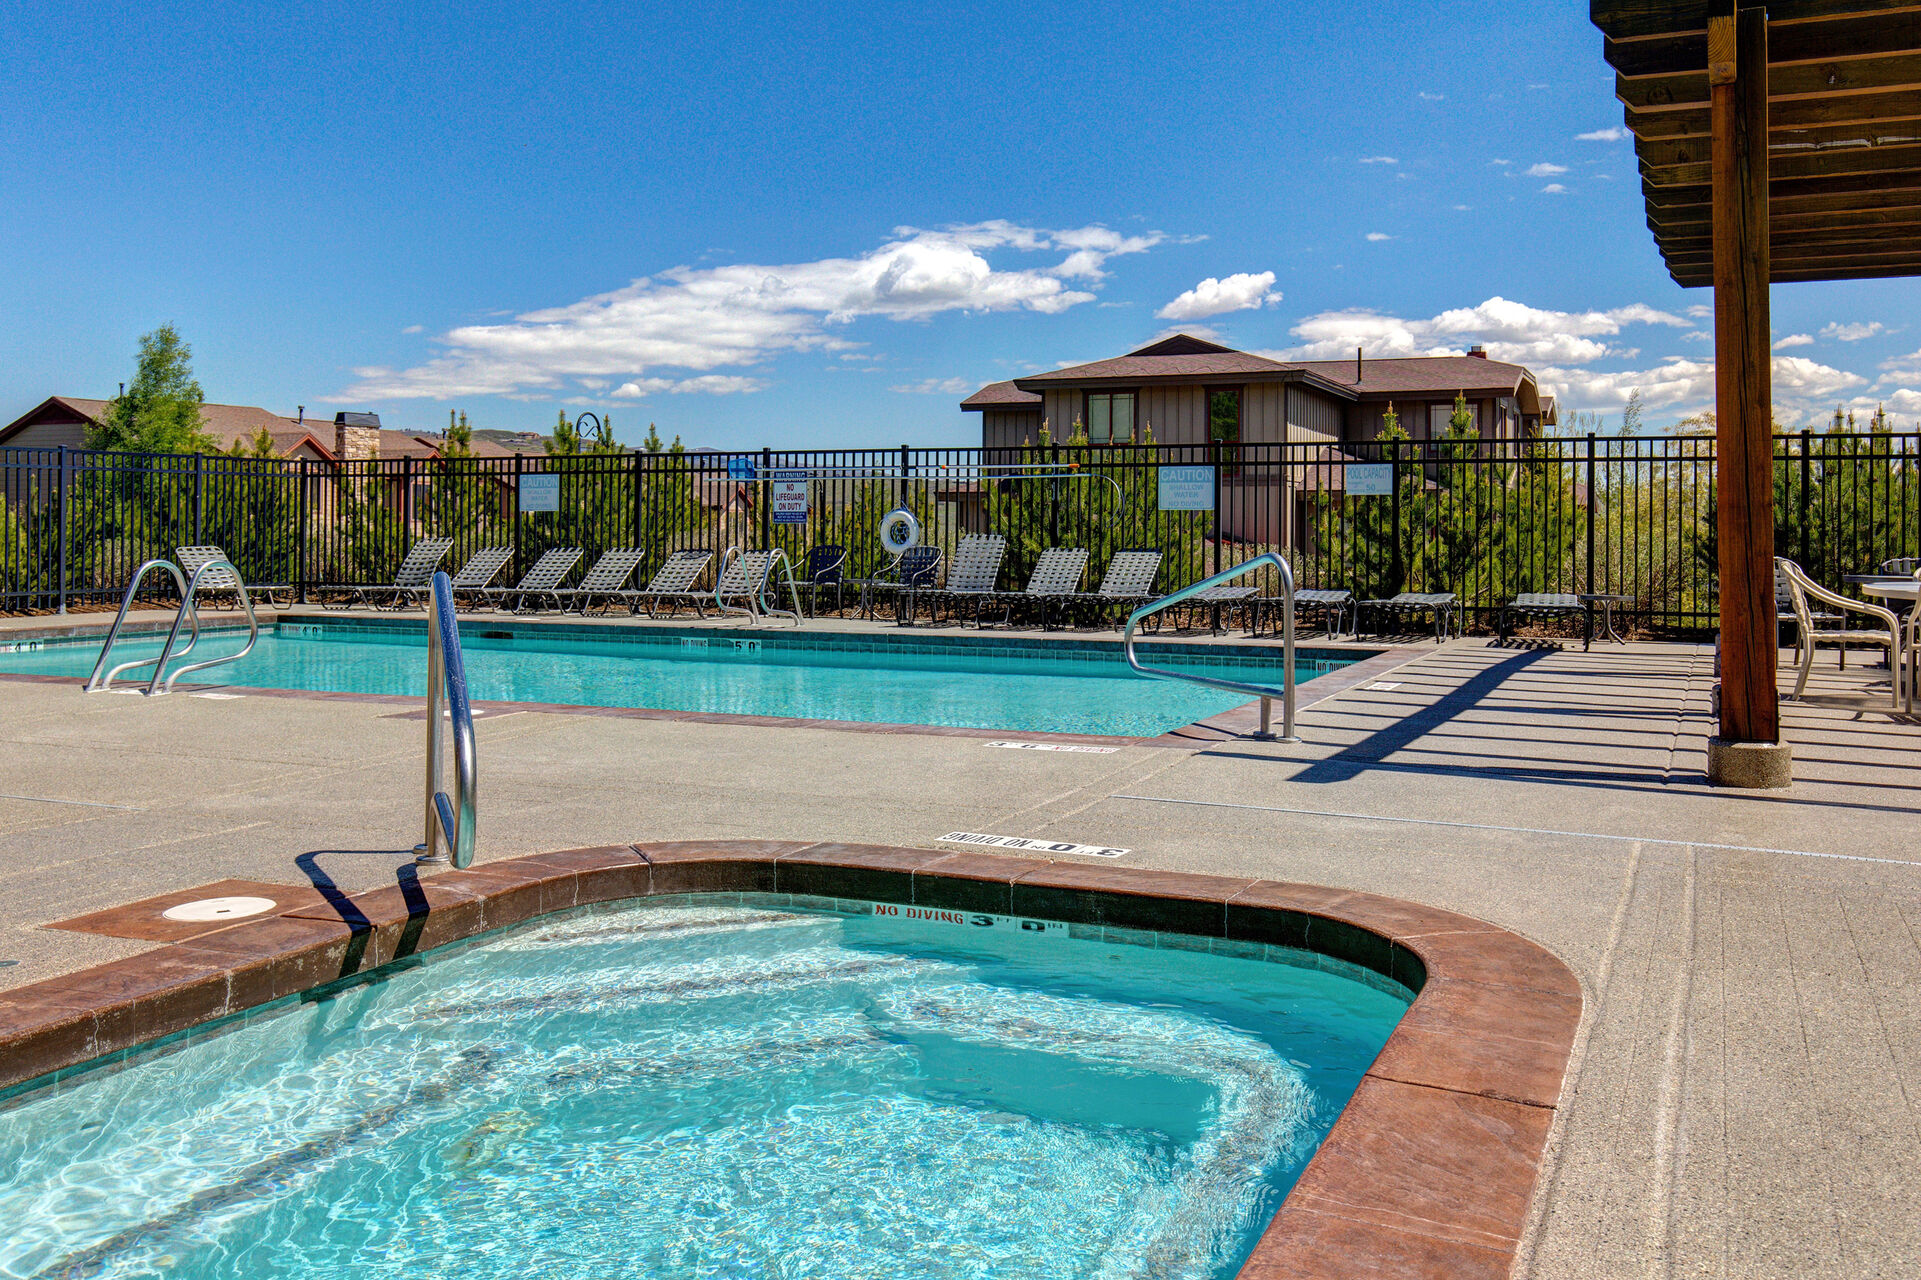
(1740, 1101)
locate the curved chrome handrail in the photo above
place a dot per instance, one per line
(770, 608)
(193, 588)
(1266, 695)
(96, 683)
(448, 823)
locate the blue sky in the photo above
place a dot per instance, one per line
(823, 225)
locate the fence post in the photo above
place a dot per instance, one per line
(1214, 450)
(1396, 565)
(304, 510)
(520, 466)
(1807, 440)
(763, 497)
(199, 504)
(1590, 513)
(64, 465)
(637, 455)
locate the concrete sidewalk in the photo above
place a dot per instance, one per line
(1740, 1104)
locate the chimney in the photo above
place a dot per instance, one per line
(1478, 351)
(1357, 366)
(300, 415)
(356, 436)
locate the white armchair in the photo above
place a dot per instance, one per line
(1887, 635)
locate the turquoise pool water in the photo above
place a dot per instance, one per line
(726, 1087)
(973, 682)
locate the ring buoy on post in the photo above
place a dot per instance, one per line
(899, 531)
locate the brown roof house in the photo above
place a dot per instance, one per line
(63, 420)
(1188, 390)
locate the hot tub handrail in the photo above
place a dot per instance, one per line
(450, 824)
(96, 682)
(1265, 694)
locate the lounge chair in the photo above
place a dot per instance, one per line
(1785, 615)
(973, 572)
(824, 565)
(541, 582)
(475, 577)
(224, 580)
(605, 581)
(1224, 598)
(1887, 636)
(1056, 579)
(745, 577)
(1443, 606)
(673, 584)
(1327, 602)
(1128, 583)
(1544, 604)
(414, 575)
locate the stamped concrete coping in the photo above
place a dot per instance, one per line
(1428, 1172)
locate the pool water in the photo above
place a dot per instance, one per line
(733, 1086)
(972, 683)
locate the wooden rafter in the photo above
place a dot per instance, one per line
(1843, 133)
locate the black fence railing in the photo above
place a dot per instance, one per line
(1631, 516)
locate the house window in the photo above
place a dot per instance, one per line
(1224, 415)
(1110, 417)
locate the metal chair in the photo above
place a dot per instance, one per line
(1800, 589)
(674, 583)
(193, 559)
(824, 566)
(1128, 582)
(414, 575)
(605, 580)
(1056, 578)
(541, 582)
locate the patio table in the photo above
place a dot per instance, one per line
(1607, 602)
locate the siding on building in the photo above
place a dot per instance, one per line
(1263, 413)
(1313, 418)
(1061, 409)
(1177, 414)
(49, 435)
(1010, 428)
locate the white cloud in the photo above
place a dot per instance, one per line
(713, 384)
(1500, 162)
(1425, 96)
(1554, 189)
(1907, 368)
(1211, 297)
(1794, 340)
(413, 328)
(1379, 160)
(1801, 386)
(1378, 236)
(1616, 134)
(1511, 331)
(706, 318)
(1546, 170)
(1462, 208)
(937, 387)
(1851, 332)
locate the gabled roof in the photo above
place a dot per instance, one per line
(228, 424)
(1185, 358)
(1001, 395)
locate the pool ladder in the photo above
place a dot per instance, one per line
(1267, 695)
(217, 574)
(450, 824)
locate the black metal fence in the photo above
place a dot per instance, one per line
(1632, 516)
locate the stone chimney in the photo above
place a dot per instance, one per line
(356, 436)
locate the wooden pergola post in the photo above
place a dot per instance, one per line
(1749, 751)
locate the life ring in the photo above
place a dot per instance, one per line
(899, 531)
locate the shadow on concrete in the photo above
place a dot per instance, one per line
(1351, 761)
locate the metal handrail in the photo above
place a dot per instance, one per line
(450, 824)
(186, 607)
(1266, 695)
(97, 683)
(757, 602)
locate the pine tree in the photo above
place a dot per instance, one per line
(159, 412)
(652, 443)
(566, 438)
(459, 440)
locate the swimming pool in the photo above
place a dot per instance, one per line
(726, 1086)
(973, 681)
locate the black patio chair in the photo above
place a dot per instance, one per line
(824, 564)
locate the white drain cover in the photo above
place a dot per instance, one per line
(219, 909)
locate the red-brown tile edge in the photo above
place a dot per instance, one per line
(63, 1024)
